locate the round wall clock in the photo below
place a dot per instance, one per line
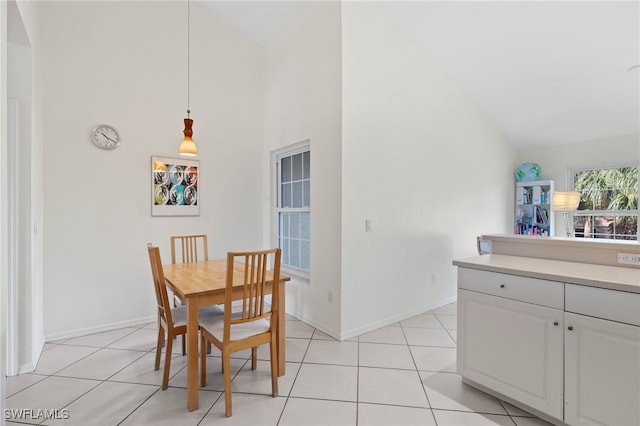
(105, 137)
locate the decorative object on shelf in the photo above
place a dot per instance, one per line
(175, 187)
(105, 137)
(565, 202)
(188, 146)
(528, 172)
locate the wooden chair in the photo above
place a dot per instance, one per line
(184, 249)
(189, 245)
(172, 321)
(251, 326)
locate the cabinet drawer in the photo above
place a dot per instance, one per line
(603, 303)
(525, 289)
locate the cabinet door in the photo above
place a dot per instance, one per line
(513, 348)
(602, 372)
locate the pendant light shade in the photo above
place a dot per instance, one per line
(188, 146)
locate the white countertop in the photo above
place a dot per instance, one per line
(622, 245)
(602, 276)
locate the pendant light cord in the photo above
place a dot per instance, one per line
(188, 57)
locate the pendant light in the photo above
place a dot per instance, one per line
(188, 146)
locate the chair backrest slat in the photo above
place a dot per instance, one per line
(189, 248)
(255, 277)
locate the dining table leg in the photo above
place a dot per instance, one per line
(192, 354)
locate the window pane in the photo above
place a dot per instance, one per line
(579, 225)
(283, 227)
(305, 226)
(285, 165)
(306, 201)
(628, 178)
(286, 225)
(306, 165)
(296, 189)
(625, 199)
(286, 195)
(305, 255)
(602, 227)
(296, 167)
(626, 227)
(295, 225)
(285, 251)
(294, 253)
(601, 199)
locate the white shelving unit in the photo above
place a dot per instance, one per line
(533, 215)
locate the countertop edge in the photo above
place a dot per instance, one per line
(617, 278)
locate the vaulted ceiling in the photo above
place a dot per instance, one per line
(543, 72)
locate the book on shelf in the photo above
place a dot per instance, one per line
(542, 216)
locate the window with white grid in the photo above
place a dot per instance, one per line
(293, 209)
(608, 203)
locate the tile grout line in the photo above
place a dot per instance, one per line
(293, 383)
(419, 377)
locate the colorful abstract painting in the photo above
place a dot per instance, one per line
(175, 187)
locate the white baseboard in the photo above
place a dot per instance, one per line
(374, 326)
(91, 330)
(316, 325)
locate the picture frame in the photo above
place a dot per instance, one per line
(175, 187)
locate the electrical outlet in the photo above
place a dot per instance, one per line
(629, 258)
(330, 297)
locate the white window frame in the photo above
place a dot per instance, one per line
(606, 212)
(276, 157)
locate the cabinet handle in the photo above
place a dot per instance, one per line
(570, 328)
(555, 323)
(501, 285)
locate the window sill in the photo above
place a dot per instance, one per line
(294, 273)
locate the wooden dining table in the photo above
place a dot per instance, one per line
(203, 283)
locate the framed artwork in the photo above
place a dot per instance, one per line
(175, 189)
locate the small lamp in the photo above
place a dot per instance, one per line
(565, 202)
(188, 146)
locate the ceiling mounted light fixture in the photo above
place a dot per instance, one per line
(188, 146)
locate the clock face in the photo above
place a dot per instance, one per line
(105, 137)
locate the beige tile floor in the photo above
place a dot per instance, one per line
(403, 374)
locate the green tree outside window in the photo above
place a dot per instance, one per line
(608, 203)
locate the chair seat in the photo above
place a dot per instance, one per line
(207, 313)
(215, 326)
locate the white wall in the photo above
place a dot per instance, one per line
(3, 207)
(28, 290)
(125, 64)
(26, 325)
(302, 101)
(422, 164)
(559, 162)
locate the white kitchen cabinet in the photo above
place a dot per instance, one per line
(512, 346)
(602, 372)
(569, 353)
